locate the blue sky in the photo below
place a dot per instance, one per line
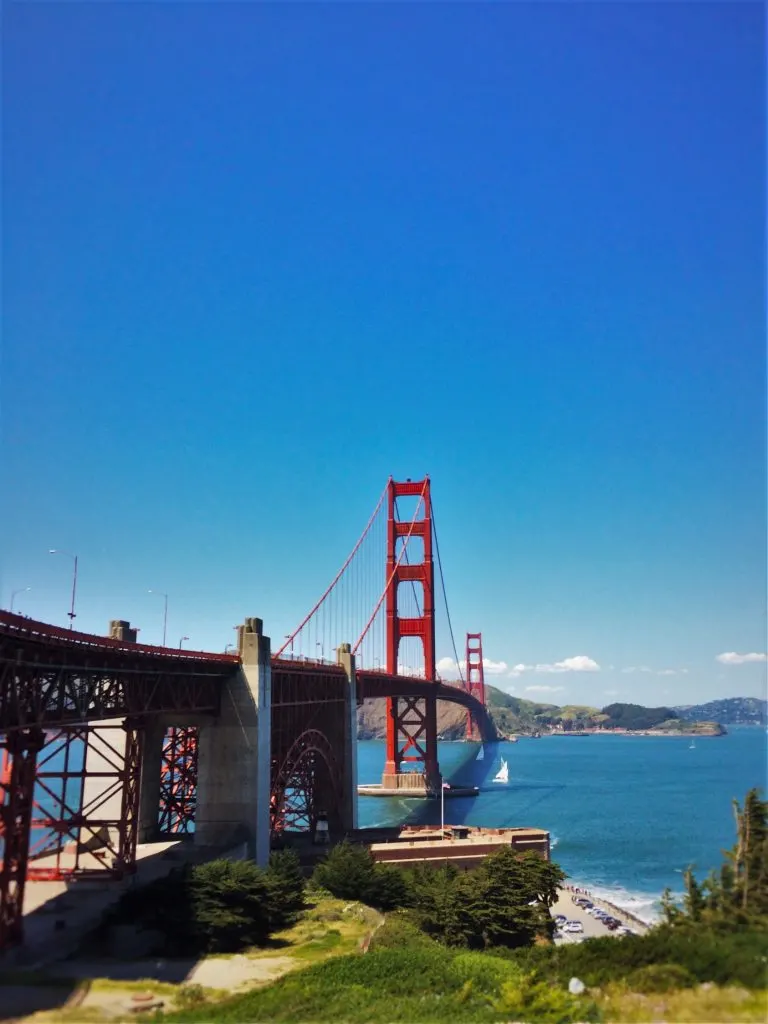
(258, 257)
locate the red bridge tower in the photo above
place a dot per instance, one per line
(475, 679)
(411, 721)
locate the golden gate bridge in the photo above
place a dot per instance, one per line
(106, 743)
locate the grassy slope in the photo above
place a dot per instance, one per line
(408, 977)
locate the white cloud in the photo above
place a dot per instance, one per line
(732, 658)
(448, 668)
(656, 671)
(672, 672)
(578, 663)
(544, 689)
(637, 668)
(496, 668)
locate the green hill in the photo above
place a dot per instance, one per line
(517, 716)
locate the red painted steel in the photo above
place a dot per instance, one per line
(178, 781)
(85, 806)
(474, 680)
(20, 626)
(411, 727)
(17, 785)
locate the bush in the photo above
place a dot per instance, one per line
(287, 881)
(399, 931)
(349, 872)
(721, 956)
(190, 996)
(219, 907)
(533, 1000)
(660, 978)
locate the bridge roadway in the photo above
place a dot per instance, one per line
(274, 742)
(50, 676)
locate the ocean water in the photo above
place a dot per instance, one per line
(626, 814)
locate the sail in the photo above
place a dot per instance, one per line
(502, 775)
(480, 755)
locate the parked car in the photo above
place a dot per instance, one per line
(560, 918)
(573, 927)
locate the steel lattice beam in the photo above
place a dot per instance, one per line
(178, 781)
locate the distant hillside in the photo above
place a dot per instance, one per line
(728, 711)
(517, 716)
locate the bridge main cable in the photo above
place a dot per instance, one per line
(290, 639)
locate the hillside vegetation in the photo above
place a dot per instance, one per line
(475, 947)
(517, 716)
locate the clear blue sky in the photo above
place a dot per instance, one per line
(258, 257)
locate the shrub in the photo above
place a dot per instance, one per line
(222, 906)
(190, 996)
(722, 956)
(485, 972)
(349, 872)
(287, 881)
(399, 931)
(534, 1000)
(660, 978)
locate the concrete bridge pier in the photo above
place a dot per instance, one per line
(349, 760)
(234, 754)
(151, 768)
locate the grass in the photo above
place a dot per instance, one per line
(686, 1006)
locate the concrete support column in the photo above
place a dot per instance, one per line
(103, 763)
(234, 754)
(151, 765)
(349, 811)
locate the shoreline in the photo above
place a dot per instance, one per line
(614, 908)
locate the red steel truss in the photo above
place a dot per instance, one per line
(85, 808)
(412, 724)
(17, 784)
(310, 724)
(51, 677)
(178, 781)
(474, 681)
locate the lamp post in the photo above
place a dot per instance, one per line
(165, 611)
(443, 787)
(322, 650)
(289, 637)
(71, 612)
(15, 592)
(182, 641)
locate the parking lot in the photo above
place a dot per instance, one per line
(592, 928)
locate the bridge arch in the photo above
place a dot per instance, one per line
(308, 782)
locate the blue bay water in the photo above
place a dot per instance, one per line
(627, 814)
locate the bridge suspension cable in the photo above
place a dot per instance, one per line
(445, 597)
(330, 618)
(361, 638)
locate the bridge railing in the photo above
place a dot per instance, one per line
(18, 625)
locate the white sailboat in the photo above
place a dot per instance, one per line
(692, 745)
(480, 754)
(502, 775)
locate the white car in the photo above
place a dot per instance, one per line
(573, 926)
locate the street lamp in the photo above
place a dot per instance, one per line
(71, 612)
(15, 592)
(182, 641)
(322, 650)
(289, 637)
(165, 612)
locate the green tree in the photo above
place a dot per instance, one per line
(234, 905)
(287, 881)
